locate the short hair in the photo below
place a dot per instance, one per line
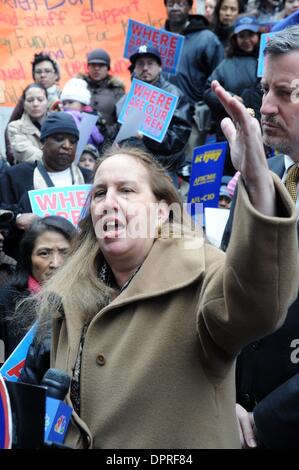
(40, 57)
(283, 42)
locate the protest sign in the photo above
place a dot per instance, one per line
(86, 126)
(261, 60)
(155, 105)
(12, 367)
(67, 30)
(170, 45)
(215, 222)
(130, 126)
(66, 202)
(206, 173)
(5, 417)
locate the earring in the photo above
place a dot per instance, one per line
(159, 228)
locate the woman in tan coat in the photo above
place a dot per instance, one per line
(24, 134)
(148, 319)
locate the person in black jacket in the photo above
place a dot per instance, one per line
(237, 73)
(267, 370)
(43, 250)
(59, 135)
(146, 65)
(202, 50)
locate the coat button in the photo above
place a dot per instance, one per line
(101, 359)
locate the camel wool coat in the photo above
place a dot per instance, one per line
(158, 362)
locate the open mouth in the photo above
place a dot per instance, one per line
(113, 226)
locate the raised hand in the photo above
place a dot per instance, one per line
(247, 151)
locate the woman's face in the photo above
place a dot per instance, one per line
(49, 252)
(124, 211)
(87, 161)
(35, 103)
(209, 9)
(228, 12)
(290, 7)
(72, 105)
(247, 40)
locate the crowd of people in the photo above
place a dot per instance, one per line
(134, 304)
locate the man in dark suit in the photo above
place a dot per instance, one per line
(267, 372)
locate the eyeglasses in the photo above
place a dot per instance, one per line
(46, 71)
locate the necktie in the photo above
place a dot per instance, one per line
(292, 180)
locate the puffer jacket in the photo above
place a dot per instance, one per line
(202, 52)
(236, 74)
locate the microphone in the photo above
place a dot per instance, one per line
(57, 383)
(58, 414)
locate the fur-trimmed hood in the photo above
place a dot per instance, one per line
(110, 81)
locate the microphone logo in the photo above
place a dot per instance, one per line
(47, 421)
(60, 425)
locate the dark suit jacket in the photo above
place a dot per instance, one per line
(267, 371)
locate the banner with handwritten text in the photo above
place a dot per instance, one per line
(67, 30)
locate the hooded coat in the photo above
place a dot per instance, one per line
(202, 52)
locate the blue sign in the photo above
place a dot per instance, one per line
(5, 417)
(170, 45)
(261, 60)
(206, 173)
(155, 106)
(12, 367)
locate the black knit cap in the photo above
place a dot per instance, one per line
(59, 123)
(190, 2)
(98, 56)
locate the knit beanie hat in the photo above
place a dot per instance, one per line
(98, 56)
(76, 90)
(59, 123)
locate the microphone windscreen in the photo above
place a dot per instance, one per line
(57, 383)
